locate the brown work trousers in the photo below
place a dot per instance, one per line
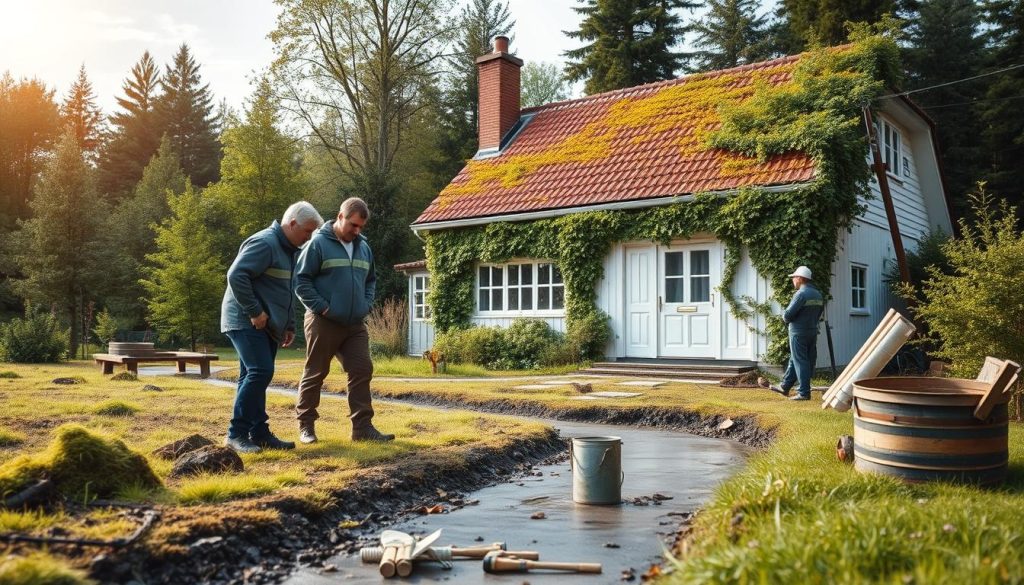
(325, 340)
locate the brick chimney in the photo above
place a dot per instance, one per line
(499, 94)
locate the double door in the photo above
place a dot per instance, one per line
(672, 304)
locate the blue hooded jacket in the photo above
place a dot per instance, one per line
(260, 279)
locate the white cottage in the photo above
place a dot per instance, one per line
(663, 299)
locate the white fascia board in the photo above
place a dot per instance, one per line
(618, 205)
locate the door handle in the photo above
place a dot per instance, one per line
(659, 302)
(712, 299)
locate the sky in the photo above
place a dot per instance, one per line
(51, 39)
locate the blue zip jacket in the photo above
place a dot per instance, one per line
(260, 279)
(804, 310)
(326, 278)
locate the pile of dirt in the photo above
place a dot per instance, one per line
(79, 463)
(744, 380)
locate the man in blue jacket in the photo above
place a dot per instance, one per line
(257, 315)
(802, 316)
(336, 281)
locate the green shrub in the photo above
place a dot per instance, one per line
(38, 338)
(522, 344)
(476, 345)
(39, 569)
(588, 335)
(7, 374)
(387, 325)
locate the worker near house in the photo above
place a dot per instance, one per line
(336, 281)
(258, 316)
(801, 316)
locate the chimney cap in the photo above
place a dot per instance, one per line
(501, 44)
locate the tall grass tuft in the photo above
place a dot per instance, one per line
(39, 568)
(116, 408)
(388, 325)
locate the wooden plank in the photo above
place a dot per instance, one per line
(990, 370)
(858, 357)
(995, 394)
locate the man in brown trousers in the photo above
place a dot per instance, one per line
(336, 281)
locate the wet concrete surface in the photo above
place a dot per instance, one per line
(683, 467)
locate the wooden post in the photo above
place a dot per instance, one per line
(890, 210)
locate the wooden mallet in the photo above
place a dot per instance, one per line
(496, 562)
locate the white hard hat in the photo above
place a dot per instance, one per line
(802, 271)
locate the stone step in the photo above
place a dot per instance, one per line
(694, 373)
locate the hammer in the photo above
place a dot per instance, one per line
(494, 562)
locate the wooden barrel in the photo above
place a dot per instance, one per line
(923, 429)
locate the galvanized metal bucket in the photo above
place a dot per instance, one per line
(596, 470)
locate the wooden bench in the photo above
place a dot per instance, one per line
(131, 363)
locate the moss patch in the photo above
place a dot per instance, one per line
(116, 408)
(80, 463)
(124, 377)
(39, 569)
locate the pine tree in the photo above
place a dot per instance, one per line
(184, 277)
(824, 21)
(130, 234)
(730, 34)
(29, 125)
(185, 113)
(83, 116)
(135, 133)
(57, 255)
(629, 42)
(259, 173)
(1002, 113)
(945, 45)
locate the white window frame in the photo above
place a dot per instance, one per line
(861, 290)
(890, 143)
(420, 289)
(534, 287)
(490, 288)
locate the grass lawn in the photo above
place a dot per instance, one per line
(795, 514)
(32, 408)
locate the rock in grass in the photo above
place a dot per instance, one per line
(124, 377)
(80, 463)
(68, 381)
(182, 446)
(152, 388)
(209, 459)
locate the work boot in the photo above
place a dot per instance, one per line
(307, 434)
(241, 445)
(269, 441)
(370, 433)
(800, 397)
(779, 389)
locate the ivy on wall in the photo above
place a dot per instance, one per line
(818, 113)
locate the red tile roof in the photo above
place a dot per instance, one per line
(410, 266)
(632, 144)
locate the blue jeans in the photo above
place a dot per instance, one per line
(803, 354)
(256, 353)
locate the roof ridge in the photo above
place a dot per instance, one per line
(625, 91)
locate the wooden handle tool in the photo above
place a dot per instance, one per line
(388, 566)
(495, 562)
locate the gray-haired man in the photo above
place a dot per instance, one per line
(257, 315)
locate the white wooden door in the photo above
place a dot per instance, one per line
(641, 301)
(688, 307)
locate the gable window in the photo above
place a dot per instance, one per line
(420, 289)
(859, 288)
(890, 142)
(491, 289)
(521, 287)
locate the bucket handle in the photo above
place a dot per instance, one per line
(573, 463)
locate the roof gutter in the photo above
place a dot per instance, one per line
(419, 229)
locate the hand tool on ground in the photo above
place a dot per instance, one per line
(395, 542)
(495, 562)
(445, 554)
